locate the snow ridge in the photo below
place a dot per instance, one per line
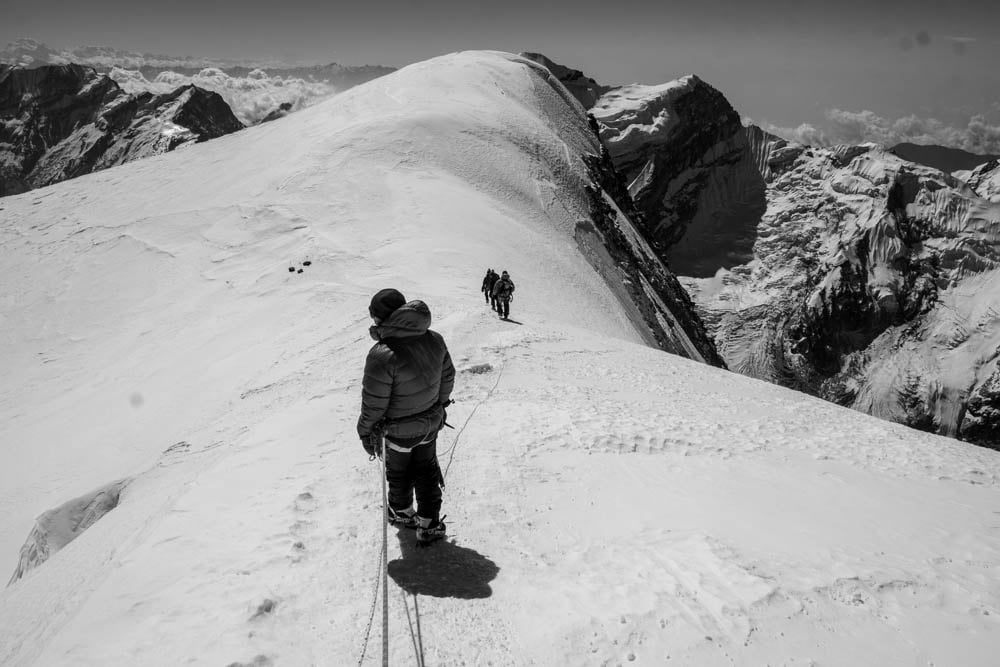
(643, 507)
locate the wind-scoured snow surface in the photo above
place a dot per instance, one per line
(607, 502)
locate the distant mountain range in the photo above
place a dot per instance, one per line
(62, 121)
(68, 112)
(31, 53)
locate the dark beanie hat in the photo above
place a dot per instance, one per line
(385, 302)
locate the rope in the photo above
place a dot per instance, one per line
(371, 611)
(383, 578)
(418, 649)
(420, 636)
(458, 435)
(385, 564)
(371, 614)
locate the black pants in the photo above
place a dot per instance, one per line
(503, 307)
(487, 295)
(414, 471)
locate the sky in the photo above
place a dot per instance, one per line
(607, 503)
(779, 62)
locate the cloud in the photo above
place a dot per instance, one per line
(251, 97)
(857, 127)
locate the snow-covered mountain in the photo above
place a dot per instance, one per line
(607, 502)
(984, 179)
(62, 121)
(848, 273)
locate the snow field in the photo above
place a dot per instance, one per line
(607, 503)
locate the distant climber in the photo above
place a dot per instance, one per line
(407, 385)
(503, 294)
(488, 281)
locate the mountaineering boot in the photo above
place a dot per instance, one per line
(429, 530)
(405, 518)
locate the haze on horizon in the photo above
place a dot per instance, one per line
(782, 64)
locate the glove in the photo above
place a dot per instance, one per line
(444, 414)
(372, 443)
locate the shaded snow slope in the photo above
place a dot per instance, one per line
(607, 502)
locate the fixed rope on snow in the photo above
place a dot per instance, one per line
(382, 570)
(383, 578)
(458, 435)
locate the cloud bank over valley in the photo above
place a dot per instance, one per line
(251, 97)
(980, 135)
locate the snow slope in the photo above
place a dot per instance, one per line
(608, 503)
(984, 179)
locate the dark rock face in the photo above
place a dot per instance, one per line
(583, 88)
(662, 301)
(283, 110)
(62, 121)
(690, 169)
(612, 242)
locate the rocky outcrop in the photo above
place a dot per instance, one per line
(984, 179)
(582, 87)
(62, 121)
(655, 290)
(691, 170)
(283, 110)
(614, 245)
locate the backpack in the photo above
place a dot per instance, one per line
(504, 288)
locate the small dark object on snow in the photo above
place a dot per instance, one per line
(258, 661)
(291, 269)
(306, 263)
(265, 607)
(300, 270)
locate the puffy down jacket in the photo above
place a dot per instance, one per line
(408, 375)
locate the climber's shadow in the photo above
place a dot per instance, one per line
(442, 570)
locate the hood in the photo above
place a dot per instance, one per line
(410, 319)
